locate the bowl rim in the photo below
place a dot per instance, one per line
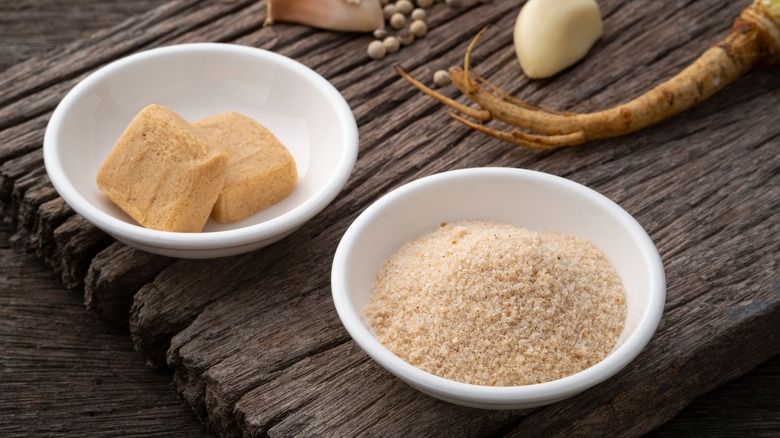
(499, 395)
(212, 239)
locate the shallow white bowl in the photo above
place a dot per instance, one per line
(533, 200)
(301, 108)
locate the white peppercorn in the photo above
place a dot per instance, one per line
(418, 14)
(404, 6)
(418, 28)
(391, 44)
(405, 37)
(389, 10)
(397, 21)
(441, 78)
(380, 34)
(376, 50)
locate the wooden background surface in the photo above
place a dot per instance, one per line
(704, 185)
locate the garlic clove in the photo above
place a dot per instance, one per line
(551, 35)
(338, 15)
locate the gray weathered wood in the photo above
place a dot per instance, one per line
(65, 373)
(32, 28)
(77, 242)
(258, 350)
(115, 275)
(723, 412)
(51, 214)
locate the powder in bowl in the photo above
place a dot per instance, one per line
(492, 304)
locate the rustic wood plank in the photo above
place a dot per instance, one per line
(284, 327)
(51, 214)
(16, 168)
(234, 372)
(308, 399)
(77, 243)
(31, 28)
(704, 184)
(29, 193)
(66, 374)
(157, 314)
(35, 87)
(23, 138)
(200, 393)
(726, 412)
(658, 383)
(115, 275)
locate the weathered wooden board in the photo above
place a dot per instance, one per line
(64, 373)
(723, 412)
(258, 350)
(32, 28)
(110, 293)
(68, 400)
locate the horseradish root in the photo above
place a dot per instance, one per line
(551, 35)
(338, 15)
(754, 40)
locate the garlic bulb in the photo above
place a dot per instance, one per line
(338, 15)
(551, 35)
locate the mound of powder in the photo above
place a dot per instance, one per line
(493, 304)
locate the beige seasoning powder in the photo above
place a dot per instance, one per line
(493, 304)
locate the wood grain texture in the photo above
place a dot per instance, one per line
(257, 350)
(31, 28)
(63, 373)
(115, 275)
(723, 412)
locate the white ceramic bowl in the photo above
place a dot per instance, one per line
(533, 200)
(301, 108)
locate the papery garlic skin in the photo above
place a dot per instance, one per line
(551, 35)
(338, 15)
